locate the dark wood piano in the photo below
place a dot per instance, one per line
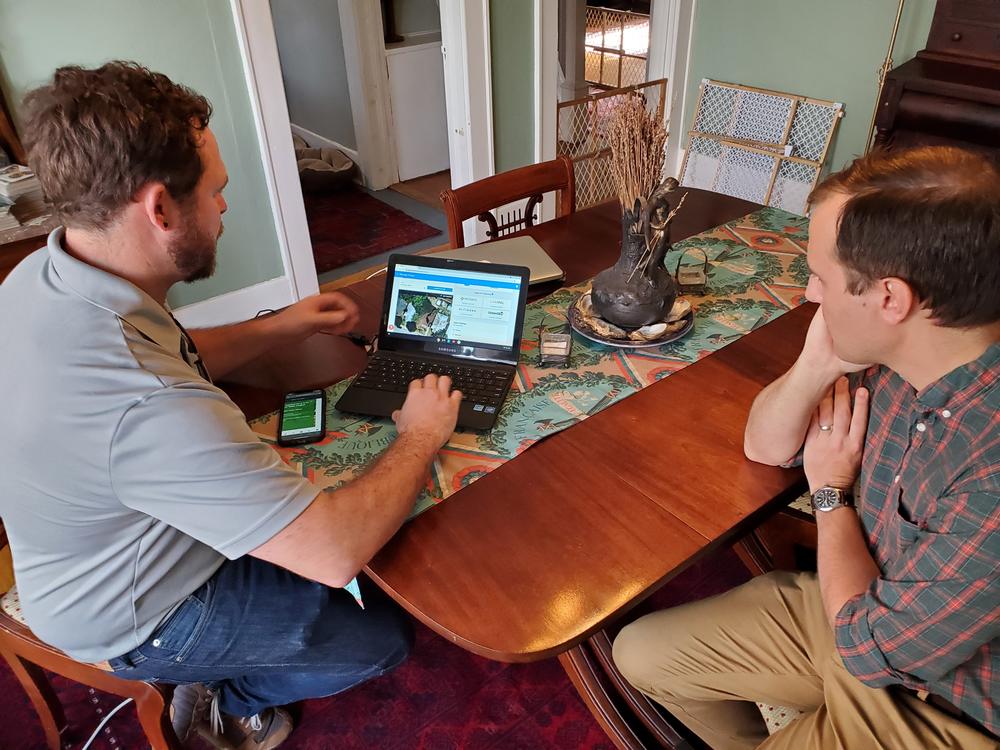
(950, 92)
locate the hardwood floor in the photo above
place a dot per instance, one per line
(425, 189)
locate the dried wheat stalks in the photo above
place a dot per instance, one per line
(636, 138)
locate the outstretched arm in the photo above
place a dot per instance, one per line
(227, 348)
(342, 529)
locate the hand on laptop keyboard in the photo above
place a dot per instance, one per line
(430, 409)
(478, 383)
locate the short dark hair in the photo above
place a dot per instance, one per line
(96, 136)
(929, 216)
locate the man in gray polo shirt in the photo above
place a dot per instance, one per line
(152, 533)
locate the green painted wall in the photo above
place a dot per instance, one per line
(512, 31)
(817, 48)
(193, 42)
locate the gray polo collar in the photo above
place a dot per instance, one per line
(114, 294)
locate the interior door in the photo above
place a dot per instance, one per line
(417, 96)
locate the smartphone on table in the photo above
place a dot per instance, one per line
(303, 418)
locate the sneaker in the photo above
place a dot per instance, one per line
(189, 708)
(263, 731)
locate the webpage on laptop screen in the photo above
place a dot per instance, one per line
(464, 308)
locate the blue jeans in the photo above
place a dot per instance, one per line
(261, 636)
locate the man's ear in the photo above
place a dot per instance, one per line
(157, 205)
(897, 300)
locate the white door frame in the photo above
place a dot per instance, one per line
(468, 87)
(465, 47)
(368, 85)
(671, 27)
(467, 66)
(546, 23)
(259, 51)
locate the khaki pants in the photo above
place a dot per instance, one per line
(769, 641)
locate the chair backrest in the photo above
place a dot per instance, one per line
(480, 198)
(6, 562)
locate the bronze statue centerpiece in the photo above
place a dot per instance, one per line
(638, 291)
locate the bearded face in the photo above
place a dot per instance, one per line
(193, 250)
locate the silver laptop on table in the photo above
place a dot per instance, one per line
(516, 251)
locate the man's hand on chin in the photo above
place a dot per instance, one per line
(327, 312)
(818, 352)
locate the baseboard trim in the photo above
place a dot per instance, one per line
(315, 140)
(237, 306)
(430, 35)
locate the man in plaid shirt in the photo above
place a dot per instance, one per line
(894, 644)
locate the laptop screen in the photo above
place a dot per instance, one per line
(446, 307)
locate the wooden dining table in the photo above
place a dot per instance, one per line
(539, 557)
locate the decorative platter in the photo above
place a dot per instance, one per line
(581, 323)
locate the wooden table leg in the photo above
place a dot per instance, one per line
(665, 733)
(580, 667)
(754, 555)
(625, 715)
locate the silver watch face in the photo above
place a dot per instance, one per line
(827, 498)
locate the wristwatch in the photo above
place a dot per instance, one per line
(829, 498)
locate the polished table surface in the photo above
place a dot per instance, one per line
(547, 549)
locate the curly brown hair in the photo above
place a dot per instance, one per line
(929, 216)
(96, 136)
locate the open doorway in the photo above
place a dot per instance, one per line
(616, 43)
(603, 45)
(414, 66)
(608, 50)
(603, 56)
(354, 222)
(412, 36)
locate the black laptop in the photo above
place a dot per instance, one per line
(451, 317)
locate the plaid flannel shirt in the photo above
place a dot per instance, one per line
(929, 502)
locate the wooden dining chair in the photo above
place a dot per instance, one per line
(28, 658)
(481, 198)
(785, 541)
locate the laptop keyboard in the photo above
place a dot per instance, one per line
(482, 385)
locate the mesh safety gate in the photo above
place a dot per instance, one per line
(765, 146)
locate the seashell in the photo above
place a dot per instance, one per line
(675, 326)
(606, 329)
(681, 308)
(649, 333)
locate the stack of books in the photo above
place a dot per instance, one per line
(7, 218)
(20, 185)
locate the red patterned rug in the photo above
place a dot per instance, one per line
(349, 225)
(443, 697)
